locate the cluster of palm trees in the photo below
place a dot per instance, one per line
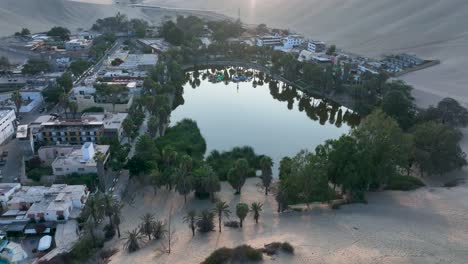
(98, 207)
(204, 220)
(150, 227)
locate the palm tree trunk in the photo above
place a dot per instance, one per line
(110, 220)
(118, 230)
(185, 198)
(266, 190)
(219, 223)
(193, 229)
(241, 220)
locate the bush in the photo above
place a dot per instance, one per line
(245, 253)
(37, 173)
(240, 254)
(232, 224)
(453, 183)
(109, 232)
(403, 183)
(221, 255)
(94, 109)
(288, 248)
(272, 248)
(34, 250)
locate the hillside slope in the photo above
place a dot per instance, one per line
(40, 15)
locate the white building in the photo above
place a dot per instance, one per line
(24, 140)
(7, 124)
(86, 98)
(58, 202)
(292, 41)
(80, 160)
(316, 46)
(6, 192)
(77, 44)
(269, 41)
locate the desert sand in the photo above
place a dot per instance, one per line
(424, 226)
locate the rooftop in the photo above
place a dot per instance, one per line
(6, 187)
(110, 120)
(5, 112)
(75, 158)
(22, 131)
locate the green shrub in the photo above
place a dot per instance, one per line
(109, 232)
(219, 256)
(240, 254)
(94, 109)
(245, 253)
(288, 248)
(36, 173)
(403, 183)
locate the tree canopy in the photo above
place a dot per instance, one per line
(60, 33)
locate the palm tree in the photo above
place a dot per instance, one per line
(117, 217)
(89, 226)
(108, 202)
(153, 124)
(159, 229)
(221, 209)
(93, 207)
(17, 100)
(256, 208)
(205, 221)
(133, 240)
(238, 174)
(211, 184)
(73, 107)
(164, 113)
(100, 159)
(242, 210)
(266, 163)
(147, 224)
(183, 176)
(190, 218)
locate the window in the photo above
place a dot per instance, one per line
(58, 169)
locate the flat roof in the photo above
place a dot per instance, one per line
(4, 112)
(6, 187)
(75, 158)
(22, 131)
(110, 120)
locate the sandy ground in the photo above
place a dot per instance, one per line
(424, 226)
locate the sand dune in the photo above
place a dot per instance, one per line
(40, 15)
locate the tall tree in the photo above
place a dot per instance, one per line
(17, 100)
(448, 112)
(221, 210)
(191, 219)
(256, 208)
(183, 176)
(437, 149)
(147, 224)
(101, 159)
(153, 125)
(238, 173)
(267, 176)
(242, 210)
(384, 145)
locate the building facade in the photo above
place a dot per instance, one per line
(70, 132)
(7, 124)
(80, 160)
(316, 46)
(270, 41)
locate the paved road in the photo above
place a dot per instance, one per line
(97, 66)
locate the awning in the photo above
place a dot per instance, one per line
(44, 243)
